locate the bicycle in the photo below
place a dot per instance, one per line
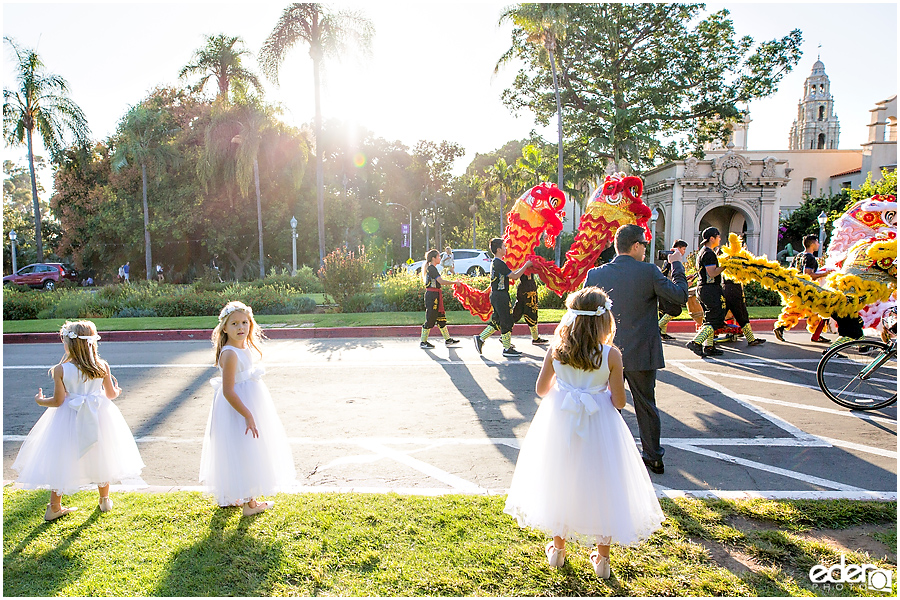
(862, 374)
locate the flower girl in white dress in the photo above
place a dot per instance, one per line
(579, 475)
(81, 440)
(245, 450)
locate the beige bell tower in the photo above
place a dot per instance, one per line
(816, 126)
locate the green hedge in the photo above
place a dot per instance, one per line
(151, 299)
(21, 304)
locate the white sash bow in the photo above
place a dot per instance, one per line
(580, 404)
(255, 372)
(87, 420)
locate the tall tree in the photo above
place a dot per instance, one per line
(241, 128)
(221, 59)
(632, 75)
(507, 178)
(543, 25)
(40, 102)
(143, 135)
(327, 34)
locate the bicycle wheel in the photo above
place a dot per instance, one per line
(859, 374)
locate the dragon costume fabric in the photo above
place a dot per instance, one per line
(866, 225)
(864, 252)
(540, 211)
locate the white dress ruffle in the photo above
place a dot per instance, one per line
(579, 475)
(83, 443)
(234, 466)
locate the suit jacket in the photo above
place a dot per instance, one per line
(634, 286)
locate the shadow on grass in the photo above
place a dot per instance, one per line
(227, 562)
(42, 563)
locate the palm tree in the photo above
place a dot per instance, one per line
(533, 163)
(40, 102)
(504, 177)
(327, 34)
(143, 135)
(238, 127)
(544, 25)
(220, 59)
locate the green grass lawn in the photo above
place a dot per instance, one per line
(181, 544)
(456, 317)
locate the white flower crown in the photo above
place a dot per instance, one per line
(570, 315)
(91, 339)
(234, 306)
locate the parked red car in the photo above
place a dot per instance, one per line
(42, 275)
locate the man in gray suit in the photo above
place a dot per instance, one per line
(634, 286)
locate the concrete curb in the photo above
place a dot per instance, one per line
(306, 333)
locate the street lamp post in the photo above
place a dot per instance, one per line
(473, 209)
(410, 223)
(822, 219)
(12, 242)
(294, 245)
(654, 215)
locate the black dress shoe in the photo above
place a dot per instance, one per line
(666, 336)
(655, 466)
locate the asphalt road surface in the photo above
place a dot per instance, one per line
(378, 415)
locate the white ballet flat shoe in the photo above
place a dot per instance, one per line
(106, 504)
(556, 557)
(51, 515)
(260, 507)
(600, 564)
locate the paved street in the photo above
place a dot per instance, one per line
(380, 414)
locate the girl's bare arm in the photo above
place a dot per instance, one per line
(111, 386)
(545, 380)
(229, 363)
(59, 390)
(616, 378)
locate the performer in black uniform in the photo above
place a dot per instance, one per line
(434, 301)
(502, 320)
(806, 263)
(709, 293)
(712, 298)
(526, 306)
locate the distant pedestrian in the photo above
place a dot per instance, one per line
(579, 475)
(121, 274)
(245, 452)
(82, 439)
(434, 301)
(448, 265)
(125, 270)
(159, 273)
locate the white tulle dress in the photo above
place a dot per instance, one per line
(83, 443)
(579, 475)
(234, 466)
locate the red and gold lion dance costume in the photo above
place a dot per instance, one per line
(540, 210)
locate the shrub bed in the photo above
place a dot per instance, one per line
(21, 304)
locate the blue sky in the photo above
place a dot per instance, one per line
(431, 73)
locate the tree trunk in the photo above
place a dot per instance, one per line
(320, 177)
(262, 266)
(148, 259)
(502, 212)
(34, 198)
(559, 160)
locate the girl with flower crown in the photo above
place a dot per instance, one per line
(81, 440)
(246, 453)
(579, 475)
